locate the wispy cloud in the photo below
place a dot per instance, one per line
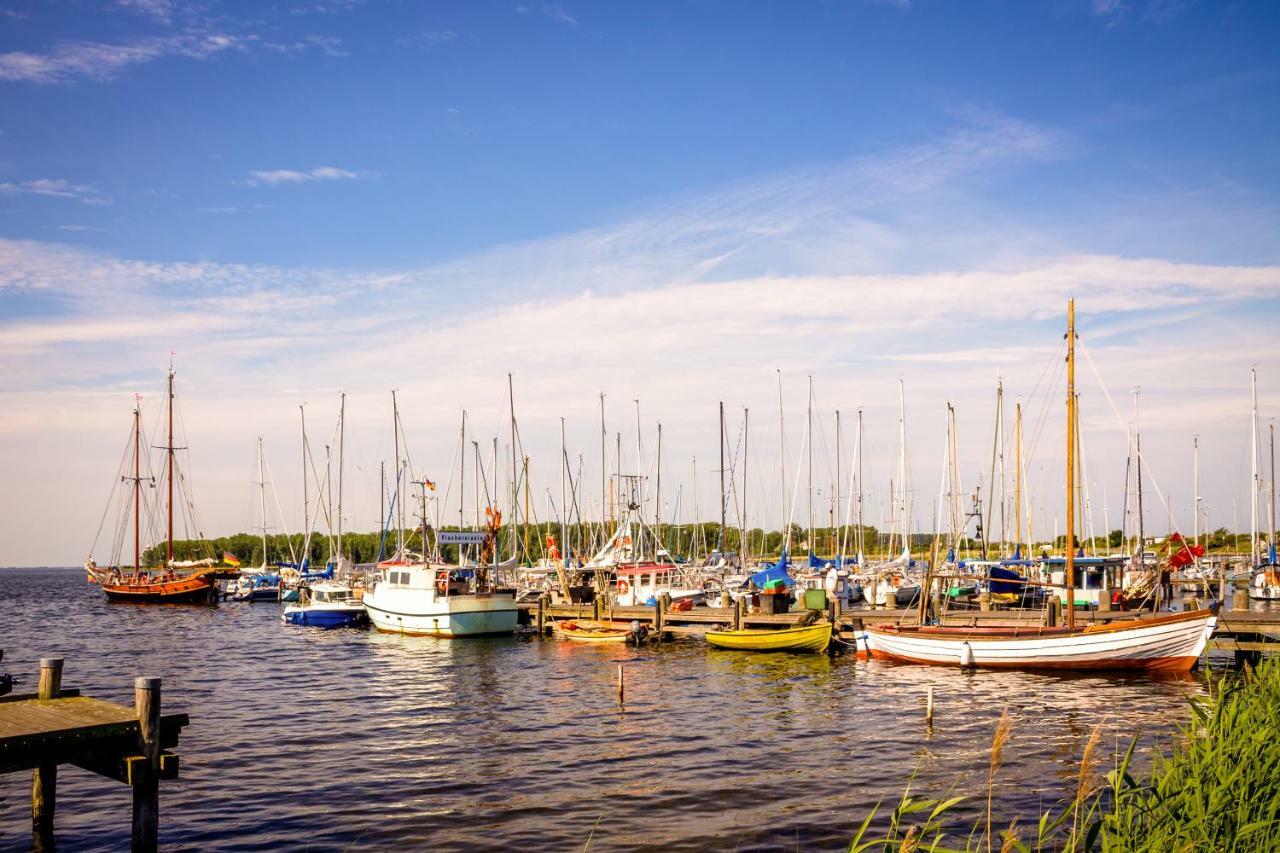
(1107, 7)
(159, 10)
(102, 61)
(56, 188)
(556, 12)
(80, 228)
(429, 39)
(328, 45)
(278, 177)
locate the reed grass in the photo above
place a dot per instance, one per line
(1218, 789)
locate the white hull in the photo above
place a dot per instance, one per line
(1171, 643)
(411, 612)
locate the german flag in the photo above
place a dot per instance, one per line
(230, 559)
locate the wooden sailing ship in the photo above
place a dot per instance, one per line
(173, 583)
(1168, 642)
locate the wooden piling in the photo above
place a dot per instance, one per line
(657, 619)
(621, 683)
(984, 602)
(1104, 601)
(146, 789)
(542, 615)
(595, 608)
(737, 613)
(1051, 616)
(1240, 599)
(44, 779)
(928, 707)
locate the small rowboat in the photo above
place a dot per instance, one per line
(810, 638)
(593, 632)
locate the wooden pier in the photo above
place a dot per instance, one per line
(1247, 633)
(55, 726)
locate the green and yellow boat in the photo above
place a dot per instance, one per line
(808, 638)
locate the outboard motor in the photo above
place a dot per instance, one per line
(6, 680)
(638, 633)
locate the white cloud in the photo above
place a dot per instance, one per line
(102, 61)
(160, 10)
(556, 12)
(429, 39)
(56, 188)
(276, 177)
(80, 228)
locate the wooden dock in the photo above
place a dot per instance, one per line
(55, 726)
(1245, 632)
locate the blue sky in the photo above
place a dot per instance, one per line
(664, 201)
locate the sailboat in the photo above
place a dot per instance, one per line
(1171, 642)
(1265, 583)
(189, 582)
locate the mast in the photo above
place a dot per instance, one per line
(1255, 549)
(997, 462)
(1271, 494)
(1017, 477)
(1071, 463)
(721, 544)
(462, 473)
(137, 485)
(657, 492)
(342, 427)
(515, 481)
(604, 473)
(382, 499)
(782, 459)
(746, 437)
(169, 448)
(808, 428)
(262, 495)
(302, 412)
(1195, 502)
(564, 467)
(861, 534)
(837, 550)
(399, 504)
(902, 459)
(1137, 452)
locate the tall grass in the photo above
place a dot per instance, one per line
(1218, 790)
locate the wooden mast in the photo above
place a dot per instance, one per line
(169, 550)
(1017, 478)
(137, 486)
(1071, 463)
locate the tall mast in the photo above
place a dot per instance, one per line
(137, 484)
(1071, 463)
(902, 459)
(564, 467)
(169, 550)
(808, 428)
(1195, 502)
(861, 535)
(1255, 549)
(302, 412)
(722, 507)
(657, 490)
(835, 534)
(604, 473)
(997, 462)
(1271, 493)
(382, 498)
(1018, 478)
(1137, 448)
(262, 495)
(746, 437)
(462, 471)
(782, 457)
(399, 504)
(342, 427)
(515, 481)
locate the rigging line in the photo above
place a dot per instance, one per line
(284, 527)
(1128, 434)
(111, 498)
(1043, 418)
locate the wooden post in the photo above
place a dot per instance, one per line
(44, 781)
(595, 607)
(542, 615)
(984, 602)
(928, 707)
(146, 791)
(1051, 620)
(620, 684)
(1240, 599)
(835, 609)
(737, 614)
(1104, 601)
(657, 619)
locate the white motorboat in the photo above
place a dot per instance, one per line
(439, 601)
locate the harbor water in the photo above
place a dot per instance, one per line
(303, 739)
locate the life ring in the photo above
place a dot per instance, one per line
(442, 586)
(623, 587)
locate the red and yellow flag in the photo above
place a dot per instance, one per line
(230, 559)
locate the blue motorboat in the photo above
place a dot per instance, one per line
(326, 605)
(258, 588)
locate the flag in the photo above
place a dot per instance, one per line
(430, 485)
(230, 559)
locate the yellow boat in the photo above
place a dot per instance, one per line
(593, 632)
(809, 638)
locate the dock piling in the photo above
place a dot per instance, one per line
(146, 790)
(928, 707)
(1240, 599)
(621, 683)
(44, 779)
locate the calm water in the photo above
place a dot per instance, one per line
(351, 739)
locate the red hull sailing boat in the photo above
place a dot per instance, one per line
(159, 586)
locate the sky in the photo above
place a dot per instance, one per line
(678, 203)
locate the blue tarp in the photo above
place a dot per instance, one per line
(778, 571)
(1006, 585)
(827, 562)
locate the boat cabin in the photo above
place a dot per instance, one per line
(445, 580)
(1095, 577)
